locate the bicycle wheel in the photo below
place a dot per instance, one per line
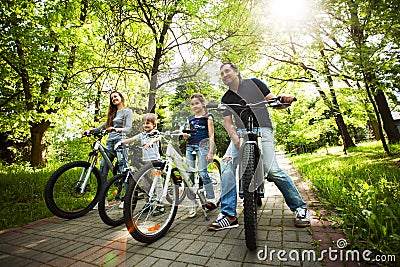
(249, 201)
(63, 194)
(148, 215)
(111, 200)
(214, 172)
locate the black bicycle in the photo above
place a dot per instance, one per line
(251, 167)
(74, 188)
(112, 194)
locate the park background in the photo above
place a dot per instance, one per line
(61, 59)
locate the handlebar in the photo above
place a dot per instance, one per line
(275, 102)
(96, 134)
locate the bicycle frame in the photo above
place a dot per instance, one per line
(173, 157)
(92, 159)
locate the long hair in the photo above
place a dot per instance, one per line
(234, 67)
(112, 109)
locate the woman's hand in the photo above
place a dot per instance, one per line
(85, 132)
(112, 129)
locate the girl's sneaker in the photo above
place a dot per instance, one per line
(210, 205)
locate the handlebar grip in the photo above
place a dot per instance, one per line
(212, 106)
(189, 131)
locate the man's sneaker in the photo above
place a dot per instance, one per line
(192, 210)
(223, 222)
(158, 211)
(302, 217)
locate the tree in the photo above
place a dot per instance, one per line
(39, 48)
(369, 26)
(149, 37)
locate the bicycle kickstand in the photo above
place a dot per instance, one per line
(205, 213)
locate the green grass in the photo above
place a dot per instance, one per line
(22, 196)
(362, 188)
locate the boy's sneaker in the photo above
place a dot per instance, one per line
(158, 211)
(302, 217)
(192, 210)
(223, 222)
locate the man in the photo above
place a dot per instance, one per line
(251, 91)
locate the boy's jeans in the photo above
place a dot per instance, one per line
(276, 174)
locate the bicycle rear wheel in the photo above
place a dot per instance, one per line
(149, 215)
(111, 200)
(249, 194)
(63, 194)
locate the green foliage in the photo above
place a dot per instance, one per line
(22, 195)
(363, 188)
(70, 150)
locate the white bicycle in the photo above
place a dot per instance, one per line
(152, 198)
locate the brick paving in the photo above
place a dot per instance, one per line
(87, 241)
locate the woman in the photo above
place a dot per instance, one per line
(118, 124)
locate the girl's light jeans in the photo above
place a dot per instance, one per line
(201, 152)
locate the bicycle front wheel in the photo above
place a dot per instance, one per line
(64, 193)
(149, 214)
(249, 194)
(111, 200)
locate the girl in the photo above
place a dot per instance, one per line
(201, 144)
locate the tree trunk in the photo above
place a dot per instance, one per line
(38, 130)
(347, 140)
(387, 119)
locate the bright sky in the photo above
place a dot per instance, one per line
(289, 10)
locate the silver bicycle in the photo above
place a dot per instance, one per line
(152, 198)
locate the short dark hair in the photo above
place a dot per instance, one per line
(233, 66)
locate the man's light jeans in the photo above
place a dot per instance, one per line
(276, 174)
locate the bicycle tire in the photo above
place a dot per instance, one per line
(111, 196)
(249, 201)
(141, 219)
(62, 194)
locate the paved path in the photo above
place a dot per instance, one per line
(87, 241)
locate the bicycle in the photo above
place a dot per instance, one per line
(155, 189)
(73, 189)
(113, 192)
(251, 167)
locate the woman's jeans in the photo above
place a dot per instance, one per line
(276, 174)
(121, 154)
(201, 152)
